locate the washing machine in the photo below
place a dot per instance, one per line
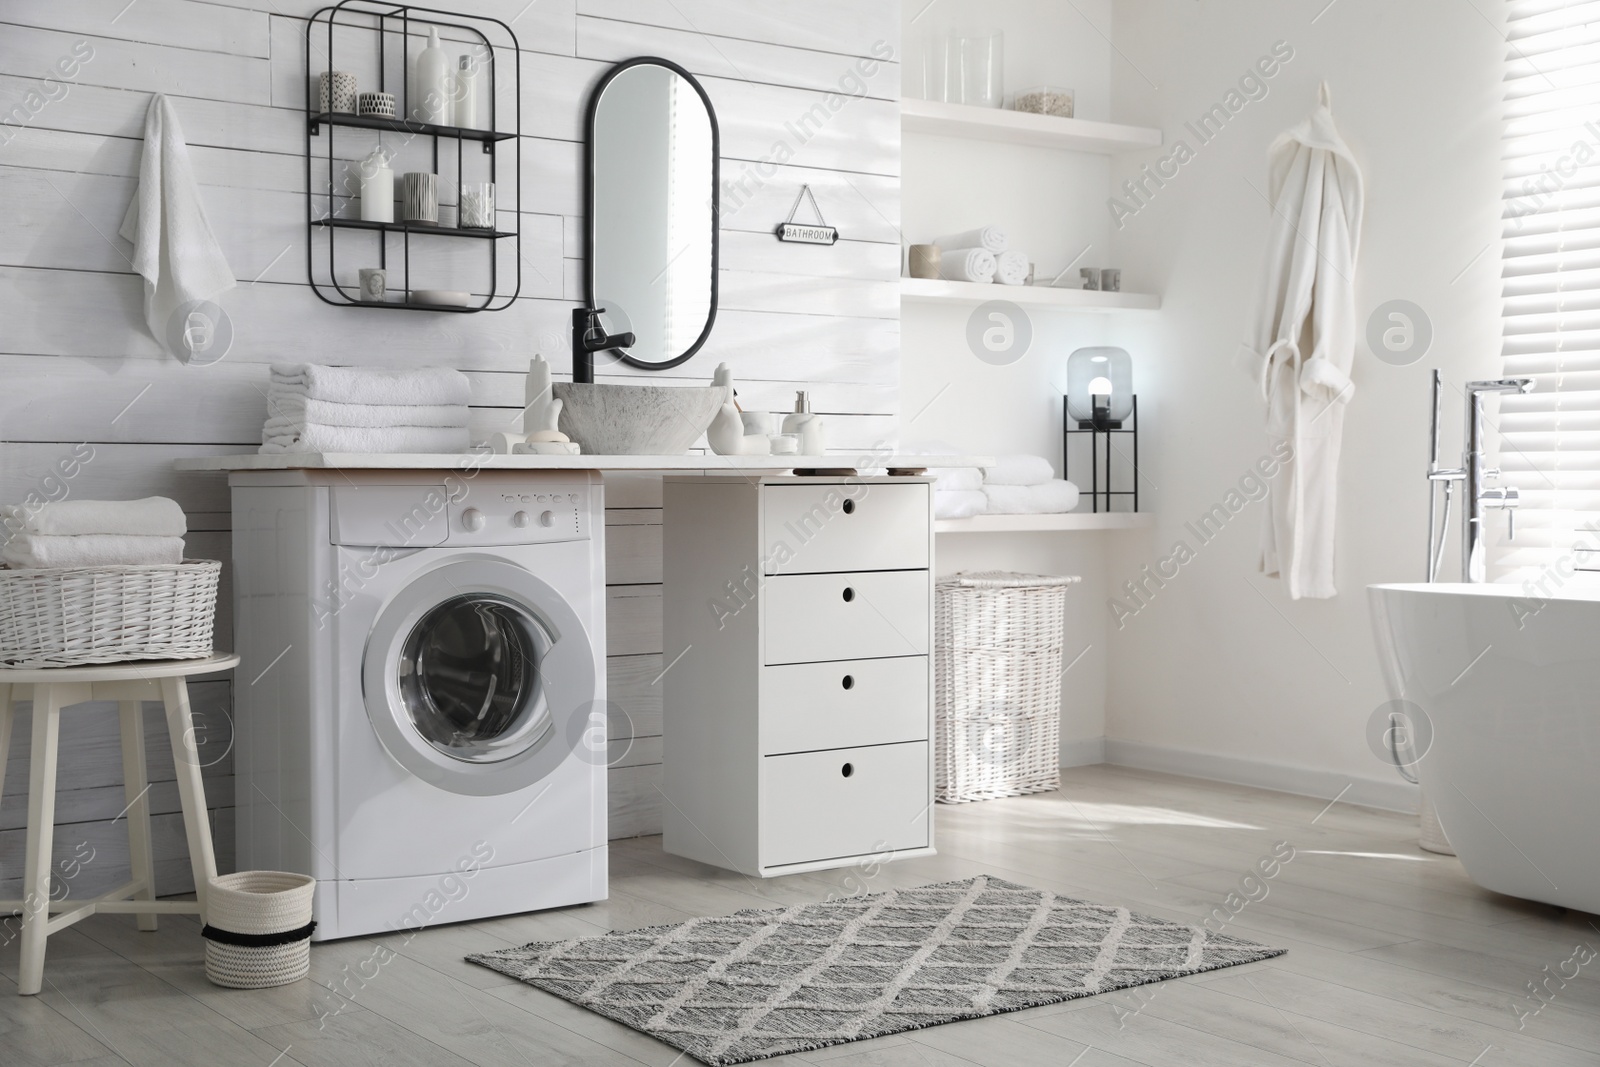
(420, 710)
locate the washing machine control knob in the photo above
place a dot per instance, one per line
(547, 518)
(521, 520)
(473, 520)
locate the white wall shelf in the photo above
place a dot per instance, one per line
(937, 291)
(1020, 127)
(1072, 521)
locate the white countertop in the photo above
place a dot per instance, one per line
(482, 461)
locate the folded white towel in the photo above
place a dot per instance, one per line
(154, 516)
(285, 407)
(367, 439)
(90, 550)
(956, 479)
(959, 503)
(1019, 470)
(1011, 268)
(967, 265)
(359, 385)
(989, 238)
(174, 249)
(1050, 498)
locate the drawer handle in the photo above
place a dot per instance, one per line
(849, 682)
(849, 594)
(848, 769)
(849, 507)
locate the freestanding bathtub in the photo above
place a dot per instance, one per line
(1511, 685)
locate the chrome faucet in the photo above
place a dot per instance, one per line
(1472, 472)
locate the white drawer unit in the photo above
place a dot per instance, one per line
(798, 725)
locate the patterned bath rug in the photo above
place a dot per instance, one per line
(763, 983)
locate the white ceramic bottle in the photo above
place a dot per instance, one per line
(377, 188)
(430, 85)
(466, 93)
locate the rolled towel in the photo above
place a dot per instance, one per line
(1050, 498)
(154, 516)
(967, 265)
(368, 440)
(285, 405)
(28, 551)
(360, 385)
(957, 479)
(988, 238)
(958, 503)
(1019, 470)
(1011, 268)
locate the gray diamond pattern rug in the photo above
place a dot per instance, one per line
(763, 983)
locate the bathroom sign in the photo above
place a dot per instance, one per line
(804, 233)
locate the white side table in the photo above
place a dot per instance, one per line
(54, 688)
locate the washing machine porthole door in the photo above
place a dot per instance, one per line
(480, 678)
(470, 678)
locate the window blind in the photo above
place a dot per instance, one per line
(1550, 438)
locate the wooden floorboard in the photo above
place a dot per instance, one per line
(1394, 958)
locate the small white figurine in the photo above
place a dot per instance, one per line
(726, 434)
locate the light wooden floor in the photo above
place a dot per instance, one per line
(1394, 957)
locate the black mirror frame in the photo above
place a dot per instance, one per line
(716, 201)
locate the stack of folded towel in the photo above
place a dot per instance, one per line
(981, 255)
(958, 492)
(347, 409)
(1026, 485)
(93, 533)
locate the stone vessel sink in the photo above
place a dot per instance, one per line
(637, 420)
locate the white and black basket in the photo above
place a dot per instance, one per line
(258, 929)
(997, 684)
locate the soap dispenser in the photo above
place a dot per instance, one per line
(431, 83)
(808, 426)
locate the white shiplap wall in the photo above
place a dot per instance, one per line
(77, 365)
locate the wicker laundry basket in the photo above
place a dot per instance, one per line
(997, 684)
(73, 616)
(258, 929)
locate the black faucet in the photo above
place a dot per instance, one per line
(589, 337)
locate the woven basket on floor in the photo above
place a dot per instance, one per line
(72, 616)
(997, 684)
(258, 929)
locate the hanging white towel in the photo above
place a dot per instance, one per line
(1019, 470)
(1308, 292)
(174, 249)
(988, 238)
(967, 265)
(1047, 498)
(154, 516)
(1011, 268)
(90, 550)
(361, 385)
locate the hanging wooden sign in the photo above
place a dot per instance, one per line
(804, 233)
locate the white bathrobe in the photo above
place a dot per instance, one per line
(1303, 343)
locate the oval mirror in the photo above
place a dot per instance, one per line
(652, 210)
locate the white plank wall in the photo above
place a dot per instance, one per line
(78, 365)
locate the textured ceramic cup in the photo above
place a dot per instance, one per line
(337, 91)
(378, 105)
(420, 192)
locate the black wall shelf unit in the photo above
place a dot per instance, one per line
(397, 28)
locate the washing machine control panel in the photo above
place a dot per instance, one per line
(503, 515)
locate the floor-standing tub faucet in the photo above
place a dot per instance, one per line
(1472, 472)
